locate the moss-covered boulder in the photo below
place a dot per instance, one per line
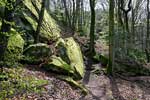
(36, 53)
(49, 31)
(70, 52)
(58, 65)
(14, 48)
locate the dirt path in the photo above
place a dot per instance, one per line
(102, 87)
(99, 87)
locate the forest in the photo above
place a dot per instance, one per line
(74, 49)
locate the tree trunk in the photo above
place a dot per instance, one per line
(41, 16)
(81, 16)
(127, 34)
(133, 26)
(92, 28)
(147, 37)
(120, 22)
(126, 22)
(111, 34)
(67, 13)
(77, 14)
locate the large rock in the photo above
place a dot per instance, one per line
(70, 52)
(36, 53)
(50, 30)
(14, 48)
(58, 65)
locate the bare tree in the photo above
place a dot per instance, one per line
(147, 37)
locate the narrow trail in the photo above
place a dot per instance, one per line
(102, 87)
(99, 87)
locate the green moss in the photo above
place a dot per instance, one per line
(15, 41)
(37, 52)
(14, 49)
(57, 64)
(50, 30)
(100, 58)
(73, 53)
(31, 21)
(19, 83)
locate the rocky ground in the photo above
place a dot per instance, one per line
(100, 86)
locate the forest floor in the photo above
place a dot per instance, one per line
(100, 86)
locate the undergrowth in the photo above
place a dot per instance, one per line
(14, 82)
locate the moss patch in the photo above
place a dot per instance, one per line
(71, 50)
(17, 83)
(36, 53)
(49, 30)
(14, 48)
(58, 65)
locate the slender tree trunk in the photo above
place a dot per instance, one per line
(67, 13)
(142, 38)
(73, 18)
(126, 23)
(41, 16)
(127, 34)
(111, 34)
(92, 28)
(77, 14)
(126, 11)
(120, 25)
(120, 22)
(81, 16)
(147, 37)
(133, 26)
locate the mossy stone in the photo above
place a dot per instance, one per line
(70, 50)
(50, 30)
(36, 53)
(14, 48)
